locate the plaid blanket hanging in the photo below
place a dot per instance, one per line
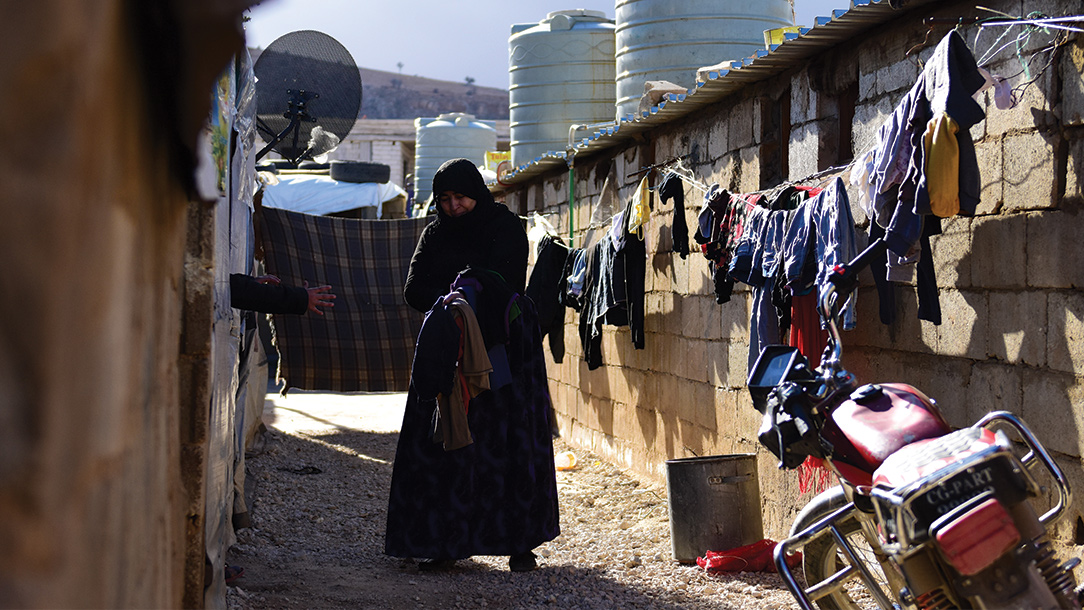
(366, 342)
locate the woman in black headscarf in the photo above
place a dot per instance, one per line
(471, 230)
(496, 495)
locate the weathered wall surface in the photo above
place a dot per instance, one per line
(92, 238)
(102, 430)
(1012, 335)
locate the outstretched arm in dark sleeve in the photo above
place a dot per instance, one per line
(248, 293)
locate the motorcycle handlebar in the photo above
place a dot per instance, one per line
(843, 280)
(845, 277)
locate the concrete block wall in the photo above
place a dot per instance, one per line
(1009, 278)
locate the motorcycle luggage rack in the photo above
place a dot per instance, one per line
(835, 582)
(1037, 454)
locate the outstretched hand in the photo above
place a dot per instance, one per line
(319, 296)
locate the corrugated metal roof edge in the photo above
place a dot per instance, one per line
(828, 31)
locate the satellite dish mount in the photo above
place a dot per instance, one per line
(297, 112)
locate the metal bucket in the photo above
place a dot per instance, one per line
(714, 504)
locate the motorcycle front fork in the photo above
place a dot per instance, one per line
(835, 524)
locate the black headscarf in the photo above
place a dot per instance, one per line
(461, 176)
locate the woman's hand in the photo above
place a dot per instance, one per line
(319, 296)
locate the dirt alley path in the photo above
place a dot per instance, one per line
(318, 490)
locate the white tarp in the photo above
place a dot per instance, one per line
(318, 194)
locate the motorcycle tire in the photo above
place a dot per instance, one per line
(822, 557)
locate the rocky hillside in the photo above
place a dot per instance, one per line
(387, 95)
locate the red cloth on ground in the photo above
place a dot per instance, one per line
(755, 557)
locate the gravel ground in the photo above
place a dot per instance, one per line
(318, 507)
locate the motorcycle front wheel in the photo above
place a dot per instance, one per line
(822, 557)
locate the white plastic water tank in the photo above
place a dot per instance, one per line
(561, 72)
(669, 40)
(449, 136)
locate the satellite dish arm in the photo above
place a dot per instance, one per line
(294, 122)
(296, 113)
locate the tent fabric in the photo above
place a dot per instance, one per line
(366, 341)
(319, 194)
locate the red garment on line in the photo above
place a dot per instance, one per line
(805, 328)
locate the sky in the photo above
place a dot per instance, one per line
(437, 39)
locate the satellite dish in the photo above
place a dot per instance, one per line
(308, 92)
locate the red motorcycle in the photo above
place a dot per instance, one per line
(924, 517)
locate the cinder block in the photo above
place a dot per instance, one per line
(1074, 178)
(1052, 410)
(879, 366)
(998, 248)
(906, 333)
(735, 317)
(1055, 258)
(699, 274)
(952, 253)
(868, 331)
(1016, 332)
(804, 150)
(991, 197)
(679, 280)
(718, 363)
(692, 317)
(1030, 172)
(803, 100)
(654, 317)
(746, 422)
(759, 105)
(605, 414)
(718, 137)
(625, 427)
(963, 324)
(1072, 85)
(703, 396)
(1065, 332)
(741, 133)
(726, 409)
(867, 85)
(750, 170)
(946, 380)
(700, 361)
(713, 316)
(723, 171)
(868, 118)
(617, 384)
(738, 354)
(897, 76)
(691, 439)
(659, 349)
(870, 59)
(635, 384)
(1034, 109)
(666, 143)
(995, 387)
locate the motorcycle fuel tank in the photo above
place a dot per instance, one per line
(877, 420)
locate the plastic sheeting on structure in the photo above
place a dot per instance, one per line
(319, 195)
